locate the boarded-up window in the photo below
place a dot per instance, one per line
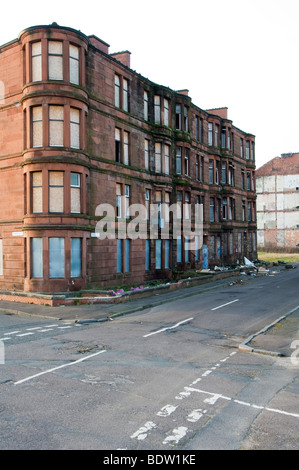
(55, 60)
(56, 199)
(37, 192)
(56, 125)
(36, 55)
(37, 126)
(75, 193)
(74, 64)
(75, 128)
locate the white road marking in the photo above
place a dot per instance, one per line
(59, 367)
(166, 410)
(195, 415)
(26, 334)
(168, 328)
(12, 332)
(142, 432)
(224, 305)
(178, 434)
(35, 328)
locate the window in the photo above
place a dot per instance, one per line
(217, 172)
(117, 91)
(249, 212)
(186, 123)
(231, 174)
(243, 211)
(56, 121)
(37, 126)
(158, 157)
(76, 257)
(145, 105)
(56, 200)
(229, 139)
(147, 203)
(117, 145)
(125, 95)
(210, 133)
(179, 249)
(211, 171)
(146, 154)
(223, 137)
(186, 159)
(186, 249)
(37, 257)
(166, 112)
(118, 200)
(166, 254)
(127, 200)
(212, 209)
(231, 209)
(223, 173)
(201, 130)
(166, 206)
(179, 160)
(75, 128)
(126, 148)
(243, 179)
(74, 64)
(37, 192)
(119, 256)
(224, 208)
(196, 127)
(178, 117)
(247, 150)
(201, 169)
(166, 159)
(147, 254)
(127, 255)
(75, 193)
(241, 148)
(56, 257)
(157, 108)
(36, 58)
(158, 254)
(248, 181)
(216, 135)
(187, 206)
(158, 206)
(55, 60)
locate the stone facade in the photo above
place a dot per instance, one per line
(277, 185)
(79, 128)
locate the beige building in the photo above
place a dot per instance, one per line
(277, 187)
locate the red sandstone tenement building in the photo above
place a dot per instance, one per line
(79, 128)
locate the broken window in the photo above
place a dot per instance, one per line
(117, 145)
(178, 117)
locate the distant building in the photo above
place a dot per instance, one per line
(78, 128)
(277, 187)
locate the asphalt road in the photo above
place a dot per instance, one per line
(168, 378)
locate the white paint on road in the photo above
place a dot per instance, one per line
(142, 432)
(224, 305)
(168, 328)
(166, 410)
(59, 367)
(178, 434)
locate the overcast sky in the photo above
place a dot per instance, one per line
(239, 54)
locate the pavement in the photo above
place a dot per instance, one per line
(275, 339)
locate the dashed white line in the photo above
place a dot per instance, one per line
(59, 367)
(224, 305)
(166, 410)
(168, 328)
(26, 334)
(178, 434)
(142, 432)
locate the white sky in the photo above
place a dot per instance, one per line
(240, 54)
